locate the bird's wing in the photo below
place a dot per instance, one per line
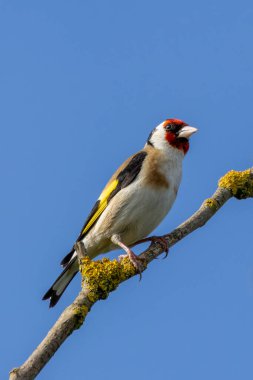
(125, 175)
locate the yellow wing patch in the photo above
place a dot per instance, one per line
(102, 204)
(108, 190)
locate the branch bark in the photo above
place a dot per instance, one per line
(101, 277)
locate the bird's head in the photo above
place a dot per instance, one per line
(171, 133)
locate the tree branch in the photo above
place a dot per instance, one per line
(101, 277)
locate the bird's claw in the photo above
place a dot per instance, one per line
(136, 261)
(157, 239)
(164, 244)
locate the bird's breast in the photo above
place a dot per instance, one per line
(136, 210)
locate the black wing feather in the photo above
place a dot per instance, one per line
(129, 173)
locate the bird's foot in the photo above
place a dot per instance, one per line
(157, 239)
(137, 261)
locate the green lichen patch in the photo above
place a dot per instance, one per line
(239, 183)
(212, 204)
(80, 313)
(103, 276)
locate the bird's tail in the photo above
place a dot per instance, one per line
(60, 284)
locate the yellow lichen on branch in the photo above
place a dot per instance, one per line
(103, 276)
(80, 313)
(239, 183)
(211, 203)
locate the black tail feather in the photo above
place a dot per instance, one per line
(53, 297)
(52, 292)
(67, 258)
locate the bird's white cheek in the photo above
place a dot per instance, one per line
(158, 139)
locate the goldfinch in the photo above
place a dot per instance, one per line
(134, 202)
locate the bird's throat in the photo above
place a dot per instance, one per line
(179, 143)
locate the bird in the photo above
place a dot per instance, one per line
(133, 203)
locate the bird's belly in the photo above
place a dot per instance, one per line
(133, 214)
(146, 214)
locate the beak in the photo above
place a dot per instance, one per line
(187, 131)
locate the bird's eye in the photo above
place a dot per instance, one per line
(170, 127)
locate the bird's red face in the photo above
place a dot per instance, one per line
(177, 133)
(173, 133)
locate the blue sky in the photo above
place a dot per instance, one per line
(81, 86)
